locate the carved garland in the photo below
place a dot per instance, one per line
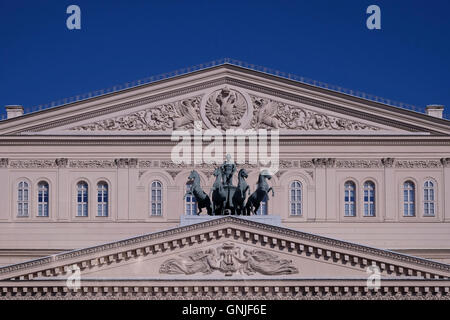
(270, 114)
(177, 115)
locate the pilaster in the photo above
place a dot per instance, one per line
(446, 186)
(62, 203)
(391, 203)
(4, 190)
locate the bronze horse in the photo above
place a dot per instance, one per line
(219, 194)
(240, 193)
(203, 200)
(262, 190)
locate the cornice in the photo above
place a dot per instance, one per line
(227, 79)
(157, 140)
(218, 289)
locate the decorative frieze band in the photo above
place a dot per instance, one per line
(361, 164)
(170, 165)
(28, 164)
(426, 164)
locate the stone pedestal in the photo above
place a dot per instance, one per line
(267, 219)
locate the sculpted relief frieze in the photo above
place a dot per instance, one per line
(418, 164)
(174, 168)
(177, 115)
(270, 114)
(225, 108)
(228, 259)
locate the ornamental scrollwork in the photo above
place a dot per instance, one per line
(228, 259)
(27, 164)
(418, 164)
(270, 114)
(359, 164)
(92, 164)
(177, 115)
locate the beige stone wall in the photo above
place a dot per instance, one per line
(129, 209)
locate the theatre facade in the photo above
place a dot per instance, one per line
(93, 187)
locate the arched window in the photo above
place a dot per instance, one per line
(102, 199)
(43, 199)
(82, 199)
(22, 199)
(349, 199)
(409, 201)
(156, 198)
(262, 210)
(295, 198)
(428, 198)
(369, 199)
(191, 203)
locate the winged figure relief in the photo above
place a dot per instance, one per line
(265, 112)
(228, 259)
(258, 261)
(187, 113)
(225, 108)
(198, 261)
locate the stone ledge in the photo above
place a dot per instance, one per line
(273, 220)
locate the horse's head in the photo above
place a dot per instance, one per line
(265, 174)
(193, 176)
(217, 172)
(243, 173)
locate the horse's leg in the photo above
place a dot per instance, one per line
(209, 209)
(224, 205)
(255, 209)
(248, 207)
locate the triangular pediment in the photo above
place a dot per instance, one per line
(231, 248)
(224, 97)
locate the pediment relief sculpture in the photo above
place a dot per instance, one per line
(177, 115)
(270, 114)
(228, 259)
(226, 109)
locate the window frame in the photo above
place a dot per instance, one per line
(20, 202)
(190, 203)
(85, 203)
(369, 203)
(349, 202)
(41, 204)
(410, 191)
(104, 204)
(298, 203)
(154, 200)
(426, 190)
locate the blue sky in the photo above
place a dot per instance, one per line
(408, 60)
